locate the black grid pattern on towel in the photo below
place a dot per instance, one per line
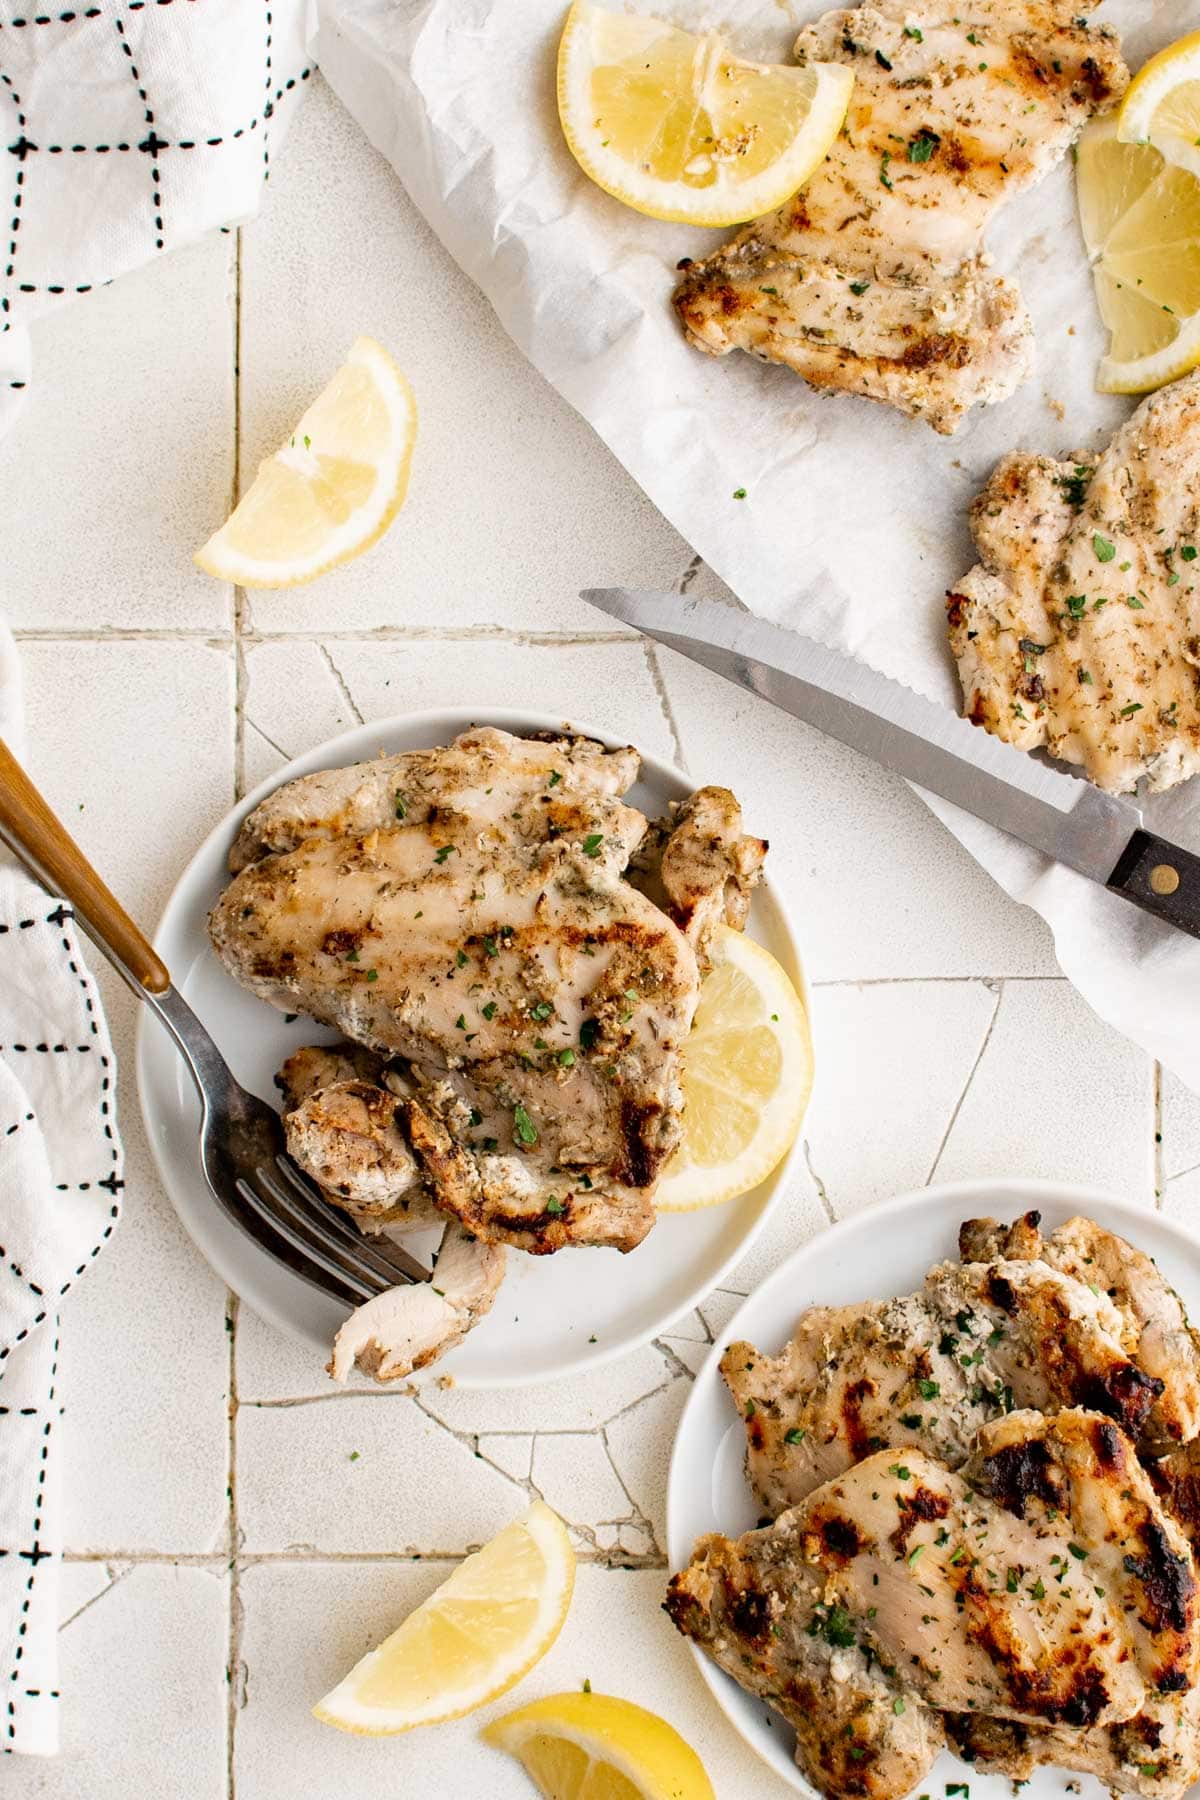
(20, 139)
(108, 1178)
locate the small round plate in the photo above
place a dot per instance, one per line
(555, 1315)
(881, 1252)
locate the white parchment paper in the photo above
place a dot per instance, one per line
(854, 521)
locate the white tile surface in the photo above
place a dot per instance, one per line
(944, 1045)
(127, 439)
(143, 1679)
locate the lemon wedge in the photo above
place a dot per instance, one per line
(747, 1075)
(475, 1636)
(332, 489)
(595, 1747)
(1141, 224)
(678, 127)
(1162, 104)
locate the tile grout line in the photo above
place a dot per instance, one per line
(664, 701)
(251, 635)
(974, 1070)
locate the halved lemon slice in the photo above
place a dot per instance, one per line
(1162, 105)
(678, 127)
(332, 489)
(474, 1637)
(747, 1075)
(1141, 224)
(595, 1747)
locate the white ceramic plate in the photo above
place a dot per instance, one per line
(880, 1252)
(555, 1315)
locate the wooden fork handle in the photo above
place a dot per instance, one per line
(42, 843)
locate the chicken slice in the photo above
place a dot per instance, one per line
(700, 867)
(484, 774)
(1079, 628)
(926, 1370)
(538, 1001)
(408, 1327)
(1043, 1582)
(316, 1066)
(871, 279)
(752, 1606)
(1156, 1753)
(1156, 1334)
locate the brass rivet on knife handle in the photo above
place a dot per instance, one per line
(59, 863)
(1164, 879)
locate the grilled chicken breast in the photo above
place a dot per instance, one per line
(1079, 628)
(872, 279)
(1042, 1583)
(927, 1370)
(1156, 1753)
(1155, 1329)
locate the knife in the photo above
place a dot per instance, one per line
(1101, 835)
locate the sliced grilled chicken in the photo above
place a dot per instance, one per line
(925, 1371)
(1078, 629)
(699, 866)
(871, 279)
(1155, 1754)
(1156, 1332)
(409, 1327)
(1041, 1583)
(760, 1614)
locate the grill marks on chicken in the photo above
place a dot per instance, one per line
(927, 1371)
(871, 279)
(1043, 1583)
(1079, 628)
(976, 1521)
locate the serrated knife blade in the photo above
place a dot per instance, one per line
(1101, 835)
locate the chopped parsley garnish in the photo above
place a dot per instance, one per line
(897, 1705)
(566, 1058)
(1127, 712)
(445, 851)
(795, 1435)
(489, 1011)
(914, 1553)
(589, 1031)
(592, 843)
(923, 146)
(489, 1143)
(476, 1116)
(914, 32)
(555, 778)
(1013, 1579)
(1104, 548)
(523, 1125)
(750, 1411)
(768, 290)
(542, 1010)
(1131, 600)
(882, 60)
(1075, 486)
(554, 1205)
(489, 945)
(900, 1472)
(1077, 605)
(1078, 1552)
(835, 1625)
(928, 1390)
(884, 177)
(460, 1024)
(372, 974)
(911, 1421)
(1188, 552)
(461, 959)
(739, 493)
(401, 807)
(1039, 1589)
(859, 287)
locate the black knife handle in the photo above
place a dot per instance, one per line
(1161, 878)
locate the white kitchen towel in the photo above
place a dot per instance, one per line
(838, 517)
(127, 129)
(60, 1185)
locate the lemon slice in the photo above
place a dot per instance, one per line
(594, 1747)
(474, 1637)
(678, 127)
(747, 1075)
(332, 489)
(1141, 224)
(1162, 105)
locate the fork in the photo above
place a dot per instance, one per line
(242, 1146)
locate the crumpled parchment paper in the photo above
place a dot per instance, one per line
(854, 521)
